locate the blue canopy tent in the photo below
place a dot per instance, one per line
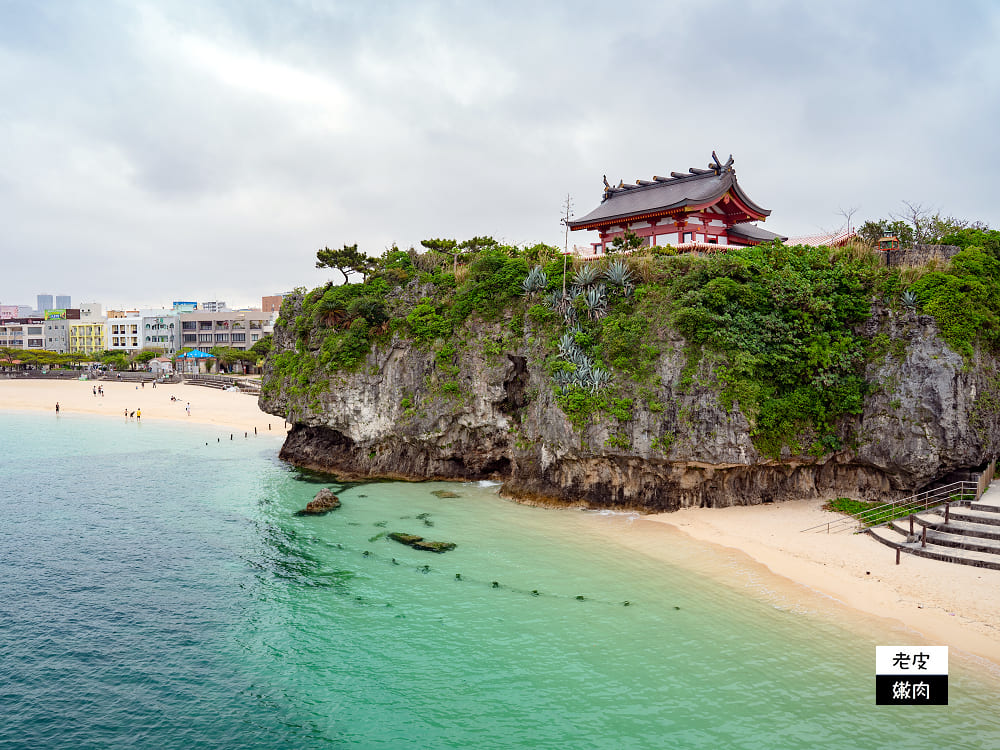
(192, 361)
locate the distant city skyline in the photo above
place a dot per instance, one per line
(155, 149)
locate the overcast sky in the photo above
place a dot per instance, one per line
(158, 151)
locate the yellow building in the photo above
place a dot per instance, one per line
(87, 337)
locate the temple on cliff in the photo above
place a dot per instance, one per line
(698, 210)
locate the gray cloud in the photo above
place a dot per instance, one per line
(161, 151)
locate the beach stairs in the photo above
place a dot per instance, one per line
(969, 535)
(246, 385)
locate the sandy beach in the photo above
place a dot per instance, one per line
(234, 411)
(946, 604)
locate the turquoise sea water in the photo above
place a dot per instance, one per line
(158, 591)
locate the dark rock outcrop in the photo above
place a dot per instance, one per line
(929, 414)
(418, 542)
(324, 502)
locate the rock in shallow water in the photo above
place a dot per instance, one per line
(324, 502)
(418, 542)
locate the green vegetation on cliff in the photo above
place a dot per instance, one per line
(773, 330)
(964, 297)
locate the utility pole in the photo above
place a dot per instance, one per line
(567, 213)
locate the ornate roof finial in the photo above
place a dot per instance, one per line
(607, 185)
(718, 166)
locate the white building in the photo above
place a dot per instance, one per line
(23, 334)
(160, 330)
(157, 330)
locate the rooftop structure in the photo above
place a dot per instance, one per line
(825, 239)
(701, 206)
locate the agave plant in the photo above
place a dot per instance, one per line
(596, 302)
(562, 378)
(579, 360)
(553, 300)
(535, 281)
(909, 299)
(586, 276)
(567, 345)
(619, 275)
(599, 378)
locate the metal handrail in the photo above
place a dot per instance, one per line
(965, 490)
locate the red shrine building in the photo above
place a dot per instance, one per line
(701, 209)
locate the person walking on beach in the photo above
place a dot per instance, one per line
(57, 407)
(95, 390)
(100, 389)
(188, 408)
(138, 413)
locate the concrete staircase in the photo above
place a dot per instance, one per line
(971, 535)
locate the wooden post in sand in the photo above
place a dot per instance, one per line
(947, 507)
(897, 555)
(911, 524)
(923, 540)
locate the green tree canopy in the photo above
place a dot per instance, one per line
(263, 347)
(346, 260)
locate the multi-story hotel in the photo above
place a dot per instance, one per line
(239, 330)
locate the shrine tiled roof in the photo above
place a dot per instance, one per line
(754, 233)
(663, 194)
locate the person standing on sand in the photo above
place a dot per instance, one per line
(95, 390)
(138, 413)
(188, 408)
(57, 407)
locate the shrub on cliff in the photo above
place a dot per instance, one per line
(965, 297)
(783, 317)
(494, 280)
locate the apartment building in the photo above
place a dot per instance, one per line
(87, 336)
(56, 332)
(23, 333)
(123, 333)
(235, 329)
(136, 330)
(160, 330)
(91, 311)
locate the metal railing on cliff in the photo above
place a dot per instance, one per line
(957, 492)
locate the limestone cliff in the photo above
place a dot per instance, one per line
(491, 412)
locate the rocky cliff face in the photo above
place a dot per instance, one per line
(397, 416)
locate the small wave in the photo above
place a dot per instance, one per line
(629, 514)
(488, 483)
